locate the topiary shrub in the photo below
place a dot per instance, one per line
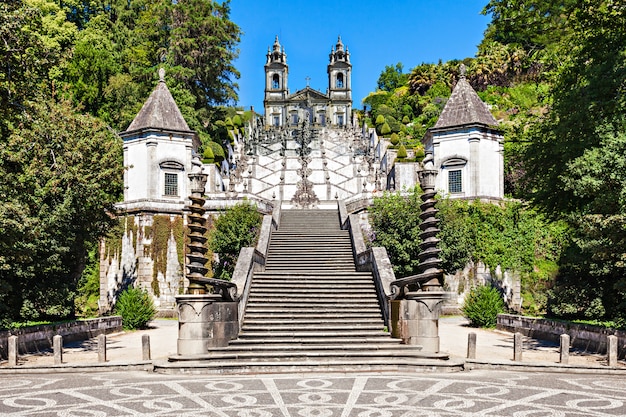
(419, 154)
(402, 152)
(208, 156)
(380, 120)
(482, 306)
(406, 120)
(136, 308)
(395, 139)
(218, 151)
(385, 129)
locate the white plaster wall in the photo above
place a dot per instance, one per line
(445, 145)
(142, 172)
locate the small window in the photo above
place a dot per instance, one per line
(339, 83)
(276, 121)
(294, 119)
(340, 120)
(276, 82)
(171, 184)
(455, 184)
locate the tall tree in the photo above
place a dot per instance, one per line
(60, 173)
(392, 77)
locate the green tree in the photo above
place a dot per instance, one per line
(60, 174)
(392, 78)
(236, 228)
(395, 222)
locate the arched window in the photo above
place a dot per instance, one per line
(275, 81)
(339, 83)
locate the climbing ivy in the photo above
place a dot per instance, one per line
(510, 235)
(163, 226)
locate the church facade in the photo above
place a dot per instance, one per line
(333, 108)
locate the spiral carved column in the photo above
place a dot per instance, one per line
(415, 313)
(431, 274)
(197, 228)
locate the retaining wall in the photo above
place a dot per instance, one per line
(37, 338)
(582, 336)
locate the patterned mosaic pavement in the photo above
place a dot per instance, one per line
(476, 393)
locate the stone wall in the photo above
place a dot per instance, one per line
(582, 336)
(150, 256)
(460, 283)
(37, 338)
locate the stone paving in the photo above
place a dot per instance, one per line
(492, 346)
(476, 393)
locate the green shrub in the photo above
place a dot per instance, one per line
(419, 154)
(136, 308)
(406, 120)
(237, 121)
(218, 151)
(208, 156)
(402, 152)
(395, 139)
(482, 306)
(380, 120)
(385, 129)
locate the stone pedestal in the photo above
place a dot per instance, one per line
(415, 319)
(204, 321)
(194, 322)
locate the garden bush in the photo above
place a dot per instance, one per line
(136, 308)
(482, 306)
(385, 129)
(395, 139)
(402, 154)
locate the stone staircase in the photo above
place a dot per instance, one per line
(310, 310)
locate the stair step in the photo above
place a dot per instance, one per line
(263, 339)
(289, 328)
(298, 312)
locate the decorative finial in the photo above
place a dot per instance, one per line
(161, 75)
(462, 71)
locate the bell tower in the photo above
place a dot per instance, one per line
(340, 84)
(276, 91)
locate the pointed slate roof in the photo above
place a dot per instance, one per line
(464, 107)
(160, 111)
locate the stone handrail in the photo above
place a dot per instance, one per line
(343, 214)
(250, 260)
(376, 261)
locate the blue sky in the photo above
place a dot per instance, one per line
(377, 33)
